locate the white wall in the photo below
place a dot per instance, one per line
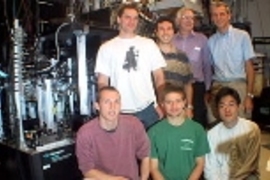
(257, 12)
(259, 16)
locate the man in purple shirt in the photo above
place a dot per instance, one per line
(195, 46)
(109, 146)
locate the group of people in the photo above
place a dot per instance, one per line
(152, 93)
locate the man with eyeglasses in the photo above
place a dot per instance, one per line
(194, 44)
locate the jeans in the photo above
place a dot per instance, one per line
(148, 116)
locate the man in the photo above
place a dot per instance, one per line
(234, 142)
(128, 62)
(177, 70)
(194, 44)
(178, 144)
(109, 146)
(232, 55)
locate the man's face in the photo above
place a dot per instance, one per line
(165, 32)
(174, 104)
(221, 17)
(186, 21)
(128, 21)
(109, 105)
(228, 109)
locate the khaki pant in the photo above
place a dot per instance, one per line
(239, 86)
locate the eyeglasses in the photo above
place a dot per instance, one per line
(188, 17)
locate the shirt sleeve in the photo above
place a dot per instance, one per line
(207, 68)
(157, 59)
(189, 74)
(84, 152)
(152, 137)
(142, 141)
(248, 49)
(202, 146)
(103, 60)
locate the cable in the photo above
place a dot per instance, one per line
(56, 40)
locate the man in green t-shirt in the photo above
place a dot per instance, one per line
(178, 144)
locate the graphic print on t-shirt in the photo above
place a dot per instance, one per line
(186, 144)
(131, 59)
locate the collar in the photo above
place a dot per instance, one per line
(227, 33)
(192, 34)
(233, 127)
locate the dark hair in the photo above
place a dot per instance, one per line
(172, 88)
(125, 6)
(227, 91)
(105, 88)
(164, 19)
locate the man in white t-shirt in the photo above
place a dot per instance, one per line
(234, 142)
(132, 64)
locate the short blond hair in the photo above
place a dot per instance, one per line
(221, 4)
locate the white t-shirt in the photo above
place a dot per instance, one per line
(229, 149)
(129, 64)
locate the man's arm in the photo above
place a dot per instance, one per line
(95, 174)
(197, 171)
(142, 149)
(155, 173)
(159, 81)
(144, 168)
(102, 80)
(189, 92)
(250, 83)
(248, 55)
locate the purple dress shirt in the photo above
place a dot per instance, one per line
(195, 46)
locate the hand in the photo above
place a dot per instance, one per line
(160, 112)
(207, 97)
(248, 104)
(189, 112)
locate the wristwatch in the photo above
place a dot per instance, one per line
(250, 95)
